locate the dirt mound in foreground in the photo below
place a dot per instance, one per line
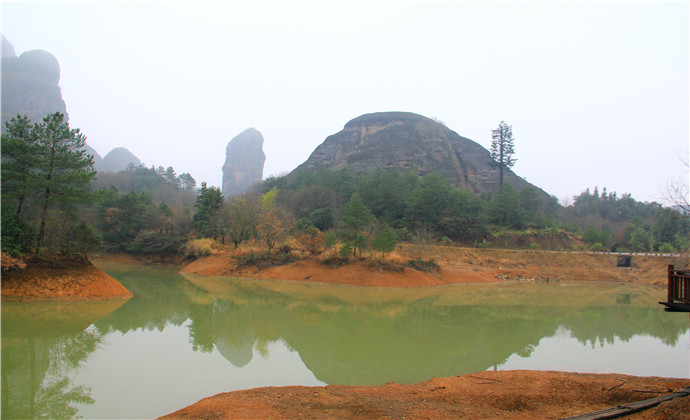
(503, 394)
(76, 282)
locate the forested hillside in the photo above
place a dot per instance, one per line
(54, 204)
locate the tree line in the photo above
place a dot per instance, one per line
(54, 204)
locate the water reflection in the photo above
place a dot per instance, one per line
(41, 344)
(343, 335)
(354, 336)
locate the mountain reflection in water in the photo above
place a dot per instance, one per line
(343, 335)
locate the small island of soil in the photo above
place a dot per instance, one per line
(73, 281)
(482, 395)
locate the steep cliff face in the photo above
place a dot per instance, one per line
(116, 160)
(244, 162)
(30, 84)
(405, 140)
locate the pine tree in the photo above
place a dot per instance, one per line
(503, 148)
(19, 160)
(65, 168)
(45, 164)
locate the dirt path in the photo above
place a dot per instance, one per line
(504, 394)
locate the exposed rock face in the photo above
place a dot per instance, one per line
(116, 160)
(30, 84)
(405, 140)
(244, 162)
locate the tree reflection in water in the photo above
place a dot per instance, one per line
(343, 335)
(41, 344)
(377, 336)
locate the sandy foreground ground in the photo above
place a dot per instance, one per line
(483, 395)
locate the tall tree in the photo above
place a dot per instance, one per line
(355, 222)
(209, 204)
(19, 160)
(46, 164)
(503, 148)
(65, 168)
(241, 220)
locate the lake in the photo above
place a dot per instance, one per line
(183, 338)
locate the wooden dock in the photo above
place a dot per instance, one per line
(626, 409)
(678, 299)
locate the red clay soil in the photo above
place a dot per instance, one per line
(457, 265)
(355, 273)
(503, 394)
(76, 282)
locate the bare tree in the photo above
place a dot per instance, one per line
(677, 192)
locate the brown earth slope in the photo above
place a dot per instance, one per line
(503, 394)
(456, 265)
(74, 282)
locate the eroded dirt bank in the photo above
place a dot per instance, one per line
(503, 394)
(456, 265)
(73, 282)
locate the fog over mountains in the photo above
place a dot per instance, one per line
(400, 140)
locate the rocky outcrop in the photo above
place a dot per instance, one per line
(404, 140)
(116, 160)
(30, 84)
(244, 162)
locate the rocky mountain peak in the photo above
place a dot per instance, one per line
(404, 140)
(244, 162)
(30, 84)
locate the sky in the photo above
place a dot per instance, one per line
(597, 93)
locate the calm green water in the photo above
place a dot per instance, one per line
(184, 338)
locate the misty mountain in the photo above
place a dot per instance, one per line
(30, 84)
(404, 140)
(116, 160)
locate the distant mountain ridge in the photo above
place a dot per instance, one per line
(30, 86)
(404, 140)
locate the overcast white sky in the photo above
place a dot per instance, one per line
(597, 93)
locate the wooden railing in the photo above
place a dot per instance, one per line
(678, 285)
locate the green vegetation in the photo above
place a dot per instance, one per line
(45, 181)
(53, 205)
(503, 148)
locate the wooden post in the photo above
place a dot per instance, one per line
(670, 283)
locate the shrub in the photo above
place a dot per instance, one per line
(199, 247)
(534, 246)
(666, 248)
(345, 251)
(311, 239)
(598, 247)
